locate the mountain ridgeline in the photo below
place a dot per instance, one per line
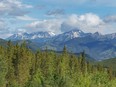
(96, 45)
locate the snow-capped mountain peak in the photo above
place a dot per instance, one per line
(42, 34)
(111, 36)
(70, 35)
(19, 36)
(31, 36)
(74, 33)
(51, 33)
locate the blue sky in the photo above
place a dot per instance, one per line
(17, 16)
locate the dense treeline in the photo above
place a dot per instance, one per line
(19, 67)
(109, 63)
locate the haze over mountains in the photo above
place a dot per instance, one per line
(96, 45)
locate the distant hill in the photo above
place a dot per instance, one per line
(3, 42)
(109, 63)
(88, 57)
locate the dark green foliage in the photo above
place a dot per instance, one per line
(19, 67)
(3, 68)
(109, 63)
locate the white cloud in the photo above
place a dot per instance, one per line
(92, 23)
(26, 18)
(10, 9)
(4, 29)
(45, 25)
(13, 7)
(88, 19)
(3, 26)
(87, 22)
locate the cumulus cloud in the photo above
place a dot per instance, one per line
(88, 22)
(88, 19)
(15, 11)
(45, 25)
(13, 7)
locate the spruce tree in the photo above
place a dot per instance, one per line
(3, 67)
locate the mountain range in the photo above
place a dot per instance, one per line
(96, 45)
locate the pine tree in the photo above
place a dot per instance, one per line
(3, 67)
(10, 74)
(83, 63)
(109, 71)
(24, 65)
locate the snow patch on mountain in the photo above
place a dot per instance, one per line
(31, 36)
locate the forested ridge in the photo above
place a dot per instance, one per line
(20, 67)
(109, 63)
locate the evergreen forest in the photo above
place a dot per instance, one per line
(21, 67)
